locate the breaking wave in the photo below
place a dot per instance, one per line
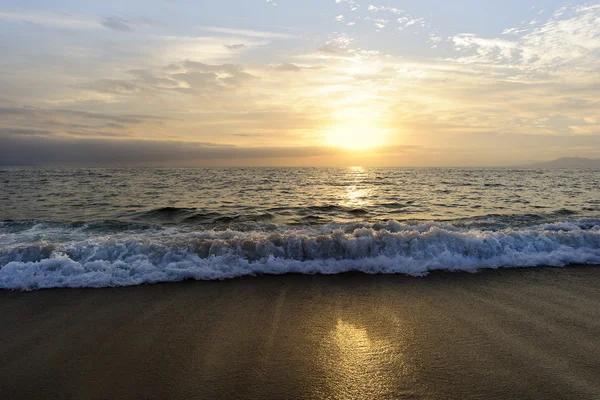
(36, 255)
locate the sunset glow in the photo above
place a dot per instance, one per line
(356, 135)
(317, 82)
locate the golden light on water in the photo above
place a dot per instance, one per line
(356, 195)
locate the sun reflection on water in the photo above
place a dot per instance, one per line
(357, 196)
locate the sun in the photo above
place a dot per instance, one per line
(356, 134)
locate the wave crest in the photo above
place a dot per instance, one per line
(68, 256)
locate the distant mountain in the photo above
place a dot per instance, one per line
(568, 162)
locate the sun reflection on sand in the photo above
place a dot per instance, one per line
(359, 366)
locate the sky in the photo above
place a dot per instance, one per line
(298, 82)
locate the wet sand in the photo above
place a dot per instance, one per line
(518, 333)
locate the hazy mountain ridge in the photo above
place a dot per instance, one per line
(568, 162)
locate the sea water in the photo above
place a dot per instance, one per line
(68, 227)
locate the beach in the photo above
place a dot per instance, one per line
(281, 200)
(506, 333)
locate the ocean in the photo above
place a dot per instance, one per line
(101, 227)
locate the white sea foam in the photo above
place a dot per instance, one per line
(48, 256)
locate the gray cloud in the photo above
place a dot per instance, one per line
(112, 86)
(124, 25)
(198, 80)
(235, 74)
(492, 149)
(39, 113)
(150, 78)
(22, 121)
(23, 132)
(150, 22)
(117, 24)
(59, 151)
(190, 77)
(235, 46)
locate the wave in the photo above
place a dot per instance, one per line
(43, 255)
(193, 216)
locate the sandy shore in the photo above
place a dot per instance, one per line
(528, 334)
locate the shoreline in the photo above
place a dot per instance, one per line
(430, 274)
(501, 333)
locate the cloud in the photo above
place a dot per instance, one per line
(513, 31)
(23, 132)
(117, 24)
(244, 87)
(22, 121)
(392, 10)
(58, 151)
(247, 32)
(151, 78)
(293, 67)
(287, 67)
(352, 4)
(128, 152)
(342, 48)
(402, 17)
(378, 22)
(50, 19)
(235, 46)
(112, 86)
(111, 152)
(565, 40)
(125, 25)
(220, 74)
(210, 49)
(282, 121)
(585, 129)
(74, 21)
(191, 77)
(489, 49)
(38, 113)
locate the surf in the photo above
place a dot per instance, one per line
(88, 255)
